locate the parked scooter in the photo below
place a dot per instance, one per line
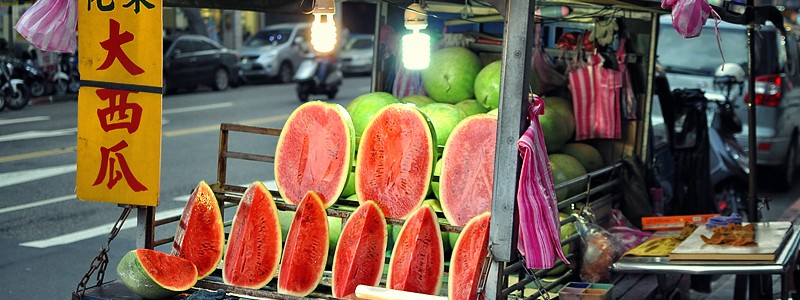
(318, 75)
(12, 89)
(66, 77)
(33, 76)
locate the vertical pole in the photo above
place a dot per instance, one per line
(145, 224)
(514, 89)
(752, 202)
(378, 51)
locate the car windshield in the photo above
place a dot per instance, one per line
(269, 37)
(358, 43)
(700, 55)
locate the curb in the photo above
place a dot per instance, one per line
(53, 98)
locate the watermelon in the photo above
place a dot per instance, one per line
(451, 75)
(363, 107)
(254, 243)
(306, 249)
(588, 156)
(444, 118)
(417, 263)
(567, 230)
(465, 184)
(156, 275)
(395, 161)
(350, 185)
(361, 251)
(563, 108)
(437, 171)
(554, 129)
(572, 168)
(487, 85)
(200, 237)
(315, 151)
(471, 107)
(469, 255)
(559, 176)
(493, 112)
(418, 100)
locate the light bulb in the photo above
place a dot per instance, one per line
(323, 29)
(416, 45)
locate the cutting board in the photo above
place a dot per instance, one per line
(770, 237)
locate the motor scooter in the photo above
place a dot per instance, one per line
(13, 90)
(318, 74)
(66, 78)
(33, 76)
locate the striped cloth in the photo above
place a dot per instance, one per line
(539, 227)
(50, 25)
(595, 99)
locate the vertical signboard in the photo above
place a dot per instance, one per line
(119, 103)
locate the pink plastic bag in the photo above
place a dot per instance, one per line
(688, 16)
(50, 25)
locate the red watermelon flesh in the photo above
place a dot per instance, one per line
(254, 243)
(395, 160)
(361, 251)
(306, 251)
(155, 275)
(315, 152)
(467, 176)
(417, 263)
(200, 237)
(468, 257)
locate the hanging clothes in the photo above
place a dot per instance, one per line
(595, 97)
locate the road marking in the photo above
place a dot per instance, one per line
(36, 204)
(44, 153)
(18, 177)
(210, 128)
(270, 184)
(36, 134)
(96, 231)
(196, 108)
(24, 120)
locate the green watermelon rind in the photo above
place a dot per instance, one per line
(218, 227)
(347, 227)
(282, 284)
(424, 209)
(141, 282)
(347, 122)
(467, 232)
(442, 89)
(429, 137)
(274, 226)
(487, 85)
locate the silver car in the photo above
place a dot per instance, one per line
(690, 63)
(275, 52)
(357, 54)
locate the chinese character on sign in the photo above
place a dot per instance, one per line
(112, 159)
(136, 4)
(114, 47)
(119, 114)
(101, 6)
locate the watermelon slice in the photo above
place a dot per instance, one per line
(306, 249)
(200, 237)
(395, 160)
(315, 151)
(469, 255)
(465, 183)
(156, 275)
(361, 251)
(417, 263)
(254, 243)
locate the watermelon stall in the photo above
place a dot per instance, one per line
(386, 192)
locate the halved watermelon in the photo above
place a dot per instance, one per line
(395, 160)
(417, 263)
(361, 251)
(314, 153)
(469, 255)
(254, 243)
(467, 176)
(306, 249)
(156, 275)
(200, 237)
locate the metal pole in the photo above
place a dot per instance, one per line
(752, 209)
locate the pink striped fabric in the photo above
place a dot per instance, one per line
(50, 25)
(688, 16)
(595, 98)
(539, 227)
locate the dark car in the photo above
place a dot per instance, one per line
(193, 60)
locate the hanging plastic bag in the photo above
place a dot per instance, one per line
(50, 25)
(546, 73)
(600, 250)
(539, 226)
(688, 16)
(596, 97)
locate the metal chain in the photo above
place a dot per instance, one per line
(100, 262)
(542, 292)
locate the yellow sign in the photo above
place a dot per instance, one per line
(119, 103)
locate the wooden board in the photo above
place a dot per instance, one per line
(770, 237)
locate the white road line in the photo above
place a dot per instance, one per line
(36, 204)
(12, 178)
(24, 120)
(36, 134)
(196, 108)
(94, 231)
(270, 184)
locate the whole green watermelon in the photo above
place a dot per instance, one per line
(451, 75)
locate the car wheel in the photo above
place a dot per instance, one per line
(285, 74)
(788, 169)
(221, 79)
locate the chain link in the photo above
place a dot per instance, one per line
(100, 262)
(542, 292)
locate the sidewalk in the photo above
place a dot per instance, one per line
(52, 98)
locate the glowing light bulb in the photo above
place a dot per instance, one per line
(323, 29)
(416, 45)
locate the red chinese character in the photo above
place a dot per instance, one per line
(109, 166)
(119, 114)
(114, 47)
